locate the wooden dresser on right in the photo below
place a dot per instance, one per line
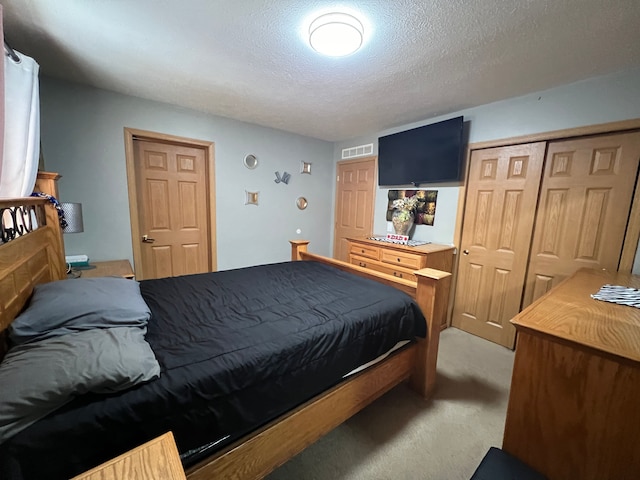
(574, 404)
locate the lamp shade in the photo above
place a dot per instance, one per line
(73, 216)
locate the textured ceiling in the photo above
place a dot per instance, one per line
(248, 60)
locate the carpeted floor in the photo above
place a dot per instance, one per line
(400, 436)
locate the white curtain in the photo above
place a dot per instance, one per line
(21, 127)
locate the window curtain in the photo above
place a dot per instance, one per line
(1, 92)
(21, 148)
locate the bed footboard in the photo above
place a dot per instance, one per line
(431, 292)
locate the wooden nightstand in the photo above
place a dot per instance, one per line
(112, 268)
(154, 460)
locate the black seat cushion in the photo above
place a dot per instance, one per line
(499, 465)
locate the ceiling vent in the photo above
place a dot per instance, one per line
(358, 151)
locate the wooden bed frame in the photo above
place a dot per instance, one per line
(38, 257)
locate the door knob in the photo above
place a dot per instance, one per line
(466, 252)
(146, 239)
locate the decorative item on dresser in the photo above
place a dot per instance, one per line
(401, 261)
(575, 390)
(404, 214)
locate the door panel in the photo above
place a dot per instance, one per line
(502, 192)
(355, 199)
(585, 200)
(171, 191)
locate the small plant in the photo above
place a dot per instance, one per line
(406, 206)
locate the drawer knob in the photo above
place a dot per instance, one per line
(398, 259)
(362, 250)
(466, 252)
(396, 274)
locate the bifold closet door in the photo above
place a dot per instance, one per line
(502, 192)
(585, 200)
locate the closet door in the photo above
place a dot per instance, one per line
(502, 192)
(585, 200)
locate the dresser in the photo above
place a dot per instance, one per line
(399, 260)
(574, 403)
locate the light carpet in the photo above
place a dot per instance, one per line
(400, 436)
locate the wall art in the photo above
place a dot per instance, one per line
(305, 167)
(284, 178)
(250, 161)
(251, 198)
(425, 211)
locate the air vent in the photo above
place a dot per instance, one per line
(358, 151)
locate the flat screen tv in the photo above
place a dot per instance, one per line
(428, 154)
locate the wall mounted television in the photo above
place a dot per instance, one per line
(428, 154)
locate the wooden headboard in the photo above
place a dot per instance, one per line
(30, 253)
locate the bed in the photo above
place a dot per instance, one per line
(259, 428)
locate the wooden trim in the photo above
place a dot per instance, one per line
(298, 247)
(166, 138)
(52, 176)
(632, 235)
(359, 159)
(566, 133)
(457, 236)
(406, 286)
(18, 201)
(47, 182)
(213, 233)
(131, 134)
(375, 193)
(432, 295)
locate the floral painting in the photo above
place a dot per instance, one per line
(425, 204)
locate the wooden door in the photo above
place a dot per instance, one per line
(502, 191)
(585, 200)
(355, 200)
(173, 209)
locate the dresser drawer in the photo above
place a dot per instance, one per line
(408, 260)
(364, 251)
(396, 272)
(361, 261)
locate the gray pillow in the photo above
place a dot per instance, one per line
(39, 377)
(67, 306)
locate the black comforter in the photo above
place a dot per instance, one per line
(237, 348)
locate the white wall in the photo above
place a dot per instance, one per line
(598, 100)
(83, 140)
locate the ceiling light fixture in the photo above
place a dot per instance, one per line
(336, 34)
